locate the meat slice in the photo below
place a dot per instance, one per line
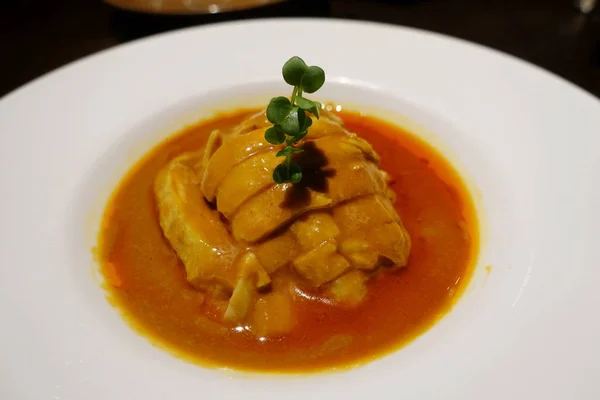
(335, 169)
(370, 226)
(239, 233)
(211, 258)
(194, 230)
(245, 180)
(234, 150)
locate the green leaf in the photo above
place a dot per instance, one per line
(304, 104)
(288, 151)
(318, 109)
(280, 174)
(311, 106)
(275, 135)
(295, 173)
(301, 121)
(300, 136)
(291, 123)
(313, 79)
(278, 109)
(284, 152)
(307, 124)
(293, 70)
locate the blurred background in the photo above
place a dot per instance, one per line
(37, 36)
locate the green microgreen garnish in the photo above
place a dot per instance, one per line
(289, 116)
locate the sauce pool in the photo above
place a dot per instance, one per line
(146, 281)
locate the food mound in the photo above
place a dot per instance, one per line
(255, 246)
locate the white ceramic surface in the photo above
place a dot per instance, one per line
(527, 141)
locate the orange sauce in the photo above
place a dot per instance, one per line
(146, 281)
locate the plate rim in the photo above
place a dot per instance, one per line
(278, 20)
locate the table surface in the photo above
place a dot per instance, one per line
(37, 36)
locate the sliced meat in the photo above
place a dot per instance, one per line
(236, 231)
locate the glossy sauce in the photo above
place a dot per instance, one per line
(146, 281)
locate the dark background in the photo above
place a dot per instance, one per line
(37, 36)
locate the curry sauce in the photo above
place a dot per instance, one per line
(145, 279)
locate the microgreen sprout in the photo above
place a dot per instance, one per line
(289, 116)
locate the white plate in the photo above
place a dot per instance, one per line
(527, 141)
